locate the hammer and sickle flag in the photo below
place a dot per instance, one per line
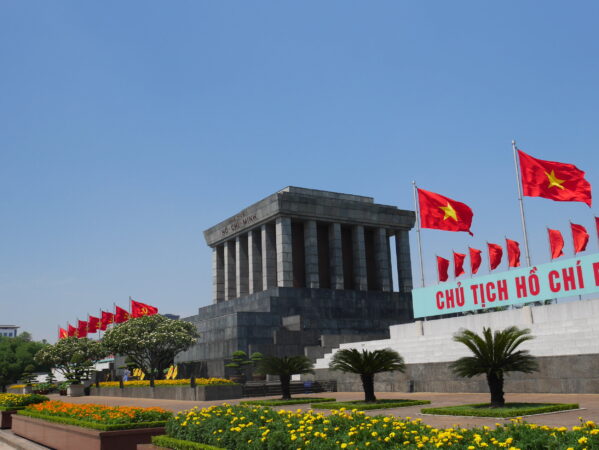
(443, 213)
(139, 309)
(556, 181)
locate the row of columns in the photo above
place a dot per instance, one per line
(263, 258)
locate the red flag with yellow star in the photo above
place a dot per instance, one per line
(443, 213)
(557, 181)
(71, 330)
(93, 324)
(107, 319)
(62, 333)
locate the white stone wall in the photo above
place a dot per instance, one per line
(560, 329)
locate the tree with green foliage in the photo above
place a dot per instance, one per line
(151, 342)
(367, 364)
(16, 353)
(494, 354)
(239, 361)
(73, 357)
(284, 367)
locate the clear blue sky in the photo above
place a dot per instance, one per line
(127, 128)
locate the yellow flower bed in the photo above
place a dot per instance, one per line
(182, 382)
(16, 386)
(255, 427)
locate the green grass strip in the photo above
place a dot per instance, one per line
(510, 409)
(178, 444)
(93, 425)
(293, 401)
(379, 404)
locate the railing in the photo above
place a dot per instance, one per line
(263, 388)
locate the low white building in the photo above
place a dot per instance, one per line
(8, 330)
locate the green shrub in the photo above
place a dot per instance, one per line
(365, 406)
(509, 410)
(178, 444)
(293, 401)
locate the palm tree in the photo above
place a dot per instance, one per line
(285, 367)
(367, 364)
(494, 354)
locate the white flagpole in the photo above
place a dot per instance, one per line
(519, 182)
(417, 207)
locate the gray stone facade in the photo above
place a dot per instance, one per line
(299, 265)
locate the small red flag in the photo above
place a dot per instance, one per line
(443, 213)
(556, 243)
(442, 268)
(580, 237)
(495, 255)
(71, 330)
(62, 333)
(82, 329)
(557, 181)
(93, 323)
(121, 315)
(475, 259)
(107, 319)
(513, 253)
(139, 309)
(458, 264)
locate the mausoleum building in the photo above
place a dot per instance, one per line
(300, 272)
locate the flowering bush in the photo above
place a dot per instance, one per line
(182, 382)
(247, 427)
(16, 386)
(8, 401)
(108, 417)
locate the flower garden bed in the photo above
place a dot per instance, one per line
(205, 389)
(11, 403)
(510, 409)
(364, 406)
(293, 401)
(256, 427)
(78, 426)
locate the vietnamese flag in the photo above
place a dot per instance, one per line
(93, 323)
(580, 237)
(82, 329)
(557, 181)
(442, 268)
(121, 315)
(556, 243)
(458, 264)
(62, 333)
(107, 319)
(475, 259)
(443, 213)
(513, 253)
(495, 255)
(139, 309)
(71, 330)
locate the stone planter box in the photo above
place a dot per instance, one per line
(27, 390)
(199, 393)
(70, 437)
(14, 391)
(76, 390)
(6, 419)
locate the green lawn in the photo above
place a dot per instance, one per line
(363, 406)
(510, 409)
(293, 401)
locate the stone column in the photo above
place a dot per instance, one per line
(404, 266)
(229, 260)
(336, 258)
(254, 261)
(218, 274)
(381, 259)
(241, 265)
(311, 254)
(284, 253)
(269, 256)
(360, 278)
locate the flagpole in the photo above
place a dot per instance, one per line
(518, 179)
(417, 207)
